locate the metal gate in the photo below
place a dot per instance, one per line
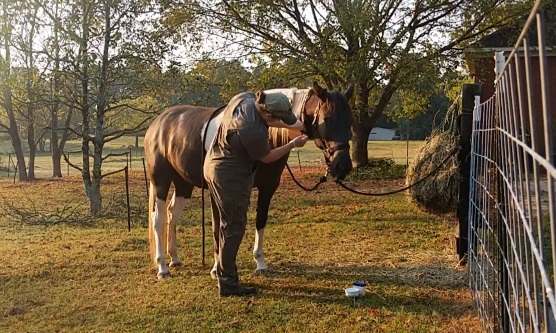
(512, 209)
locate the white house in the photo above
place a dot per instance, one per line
(382, 134)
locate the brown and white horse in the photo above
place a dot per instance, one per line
(174, 152)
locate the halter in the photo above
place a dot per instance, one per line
(328, 149)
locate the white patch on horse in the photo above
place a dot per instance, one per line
(258, 253)
(159, 223)
(212, 129)
(213, 270)
(175, 210)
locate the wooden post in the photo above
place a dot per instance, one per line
(9, 163)
(407, 146)
(15, 171)
(469, 92)
(145, 176)
(130, 158)
(127, 199)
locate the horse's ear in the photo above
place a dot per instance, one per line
(320, 91)
(349, 92)
(260, 97)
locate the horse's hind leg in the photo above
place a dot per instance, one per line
(175, 211)
(159, 223)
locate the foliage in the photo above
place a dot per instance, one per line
(381, 47)
(378, 168)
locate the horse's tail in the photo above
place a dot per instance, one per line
(151, 222)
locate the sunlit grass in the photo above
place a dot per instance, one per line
(96, 277)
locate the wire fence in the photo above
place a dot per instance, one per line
(512, 217)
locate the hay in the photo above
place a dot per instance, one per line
(438, 193)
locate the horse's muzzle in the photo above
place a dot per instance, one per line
(340, 164)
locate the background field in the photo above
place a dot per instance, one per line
(307, 155)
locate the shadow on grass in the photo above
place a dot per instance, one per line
(411, 289)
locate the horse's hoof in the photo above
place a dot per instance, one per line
(162, 276)
(261, 271)
(176, 263)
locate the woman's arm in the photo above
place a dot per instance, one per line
(277, 153)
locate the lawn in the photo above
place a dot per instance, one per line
(94, 275)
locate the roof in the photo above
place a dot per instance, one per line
(506, 37)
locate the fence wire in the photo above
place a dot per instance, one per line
(512, 248)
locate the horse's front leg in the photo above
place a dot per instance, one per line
(263, 204)
(175, 211)
(267, 180)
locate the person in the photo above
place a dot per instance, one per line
(241, 141)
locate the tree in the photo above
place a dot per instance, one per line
(378, 45)
(61, 85)
(110, 39)
(6, 79)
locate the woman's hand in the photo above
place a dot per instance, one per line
(299, 141)
(278, 152)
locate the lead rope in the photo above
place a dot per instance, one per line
(307, 189)
(434, 171)
(352, 190)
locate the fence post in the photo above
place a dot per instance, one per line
(127, 199)
(501, 202)
(468, 94)
(9, 163)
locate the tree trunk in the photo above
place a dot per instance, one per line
(361, 127)
(31, 134)
(85, 109)
(31, 141)
(13, 130)
(55, 148)
(42, 146)
(359, 140)
(95, 198)
(98, 140)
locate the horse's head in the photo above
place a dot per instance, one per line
(327, 119)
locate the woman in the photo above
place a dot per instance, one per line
(241, 141)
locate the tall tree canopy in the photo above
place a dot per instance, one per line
(380, 46)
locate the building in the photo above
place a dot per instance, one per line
(480, 59)
(383, 134)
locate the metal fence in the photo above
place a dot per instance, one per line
(512, 217)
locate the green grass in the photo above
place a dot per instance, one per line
(309, 154)
(96, 276)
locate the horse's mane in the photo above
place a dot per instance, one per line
(279, 136)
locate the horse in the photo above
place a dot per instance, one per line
(174, 154)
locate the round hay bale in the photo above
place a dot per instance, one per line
(439, 192)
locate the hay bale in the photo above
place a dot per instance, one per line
(438, 193)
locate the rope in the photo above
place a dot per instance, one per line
(307, 189)
(434, 171)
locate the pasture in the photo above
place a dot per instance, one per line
(309, 154)
(88, 274)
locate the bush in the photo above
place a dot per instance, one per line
(378, 168)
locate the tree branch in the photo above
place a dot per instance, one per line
(70, 163)
(117, 134)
